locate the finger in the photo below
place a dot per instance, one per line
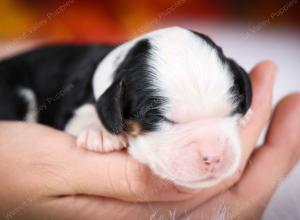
(113, 175)
(91, 207)
(284, 123)
(271, 163)
(262, 79)
(50, 164)
(117, 175)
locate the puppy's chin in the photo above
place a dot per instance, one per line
(194, 155)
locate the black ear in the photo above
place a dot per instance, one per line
(110, 107)
(242, 87)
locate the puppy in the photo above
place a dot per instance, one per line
(171, 97)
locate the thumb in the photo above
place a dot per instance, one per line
(50, 165)
(113, 175)
(117, 175)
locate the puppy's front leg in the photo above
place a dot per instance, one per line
(96, 138)
(90, 132)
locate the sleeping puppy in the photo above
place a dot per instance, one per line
(171, 97)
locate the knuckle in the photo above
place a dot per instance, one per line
(237, 176)
(234, 178)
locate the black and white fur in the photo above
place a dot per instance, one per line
(125, 95)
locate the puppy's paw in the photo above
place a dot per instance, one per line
(96, 138)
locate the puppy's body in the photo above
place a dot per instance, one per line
(59, 77)
(170, 95)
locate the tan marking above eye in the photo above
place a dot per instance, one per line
(133, 127)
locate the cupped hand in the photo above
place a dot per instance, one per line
(44, 175)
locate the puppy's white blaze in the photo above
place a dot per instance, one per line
(103, 76)
(189, 72)
(32, 110)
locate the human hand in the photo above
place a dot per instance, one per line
(63, 182)
(42, 171)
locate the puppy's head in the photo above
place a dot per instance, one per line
(179, 100)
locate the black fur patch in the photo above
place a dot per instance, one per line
(241, 87)
(137, 100)
(59, 75)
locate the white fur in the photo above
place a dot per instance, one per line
(151, 147)
(189, 73)
(84, 116)
(32, 111)
(90, 132)
(187, 70)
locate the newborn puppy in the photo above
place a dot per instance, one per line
(170, 96)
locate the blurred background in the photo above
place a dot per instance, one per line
(112, 21)
(248, 31)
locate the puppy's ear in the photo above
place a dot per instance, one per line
(110, 108)
(242, 87)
